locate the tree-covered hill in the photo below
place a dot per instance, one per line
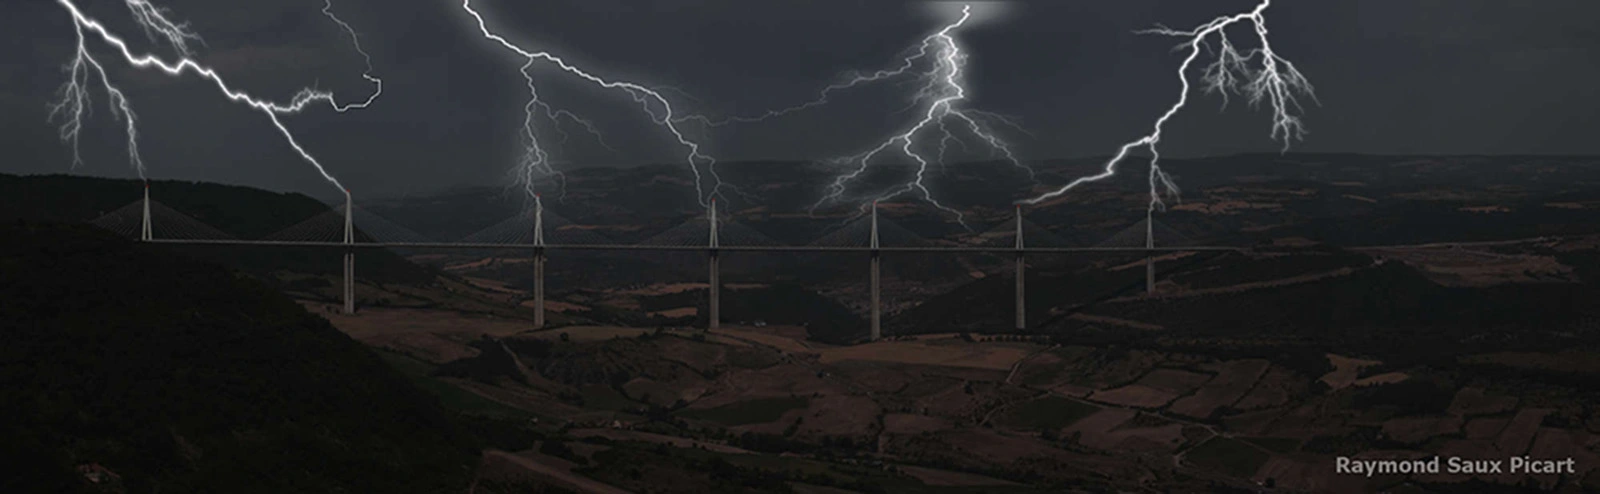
(180, 376)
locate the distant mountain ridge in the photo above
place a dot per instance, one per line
(243, 212)
(1347, 199)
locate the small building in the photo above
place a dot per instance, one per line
(96, 474)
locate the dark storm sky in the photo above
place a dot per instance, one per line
(1393, 76)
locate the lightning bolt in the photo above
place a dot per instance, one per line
(155, 23)
(941, 93)
(535, 162)
(85, 69)
(1258, 74)
(937, 62)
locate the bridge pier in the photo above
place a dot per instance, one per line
(538, 288)
(145, 233)
(714, 290)
(1150, 275)
(1149, 257)
(349, 257)
(1022, 313)
(538, 262)
(876, 329)
(349, 282)
(714, 318)
(1022, 318)
(877, 313)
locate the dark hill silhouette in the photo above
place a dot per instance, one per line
(240, 212)
(243, 212)
(180, 376)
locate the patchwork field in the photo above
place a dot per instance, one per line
(955, 411)
(928, 351)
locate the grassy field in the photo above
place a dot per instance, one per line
(757, 411)
(588, 333)
(833, 474)
(602, 397)
(1283, 445)
(453, 397)
(930, 352)
(1228, 456)
(1050, 412)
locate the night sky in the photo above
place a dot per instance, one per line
(1393, 76)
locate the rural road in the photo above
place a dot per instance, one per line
(571, 479)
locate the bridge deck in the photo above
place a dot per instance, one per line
(692, 248)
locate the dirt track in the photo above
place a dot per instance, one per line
(580, 482)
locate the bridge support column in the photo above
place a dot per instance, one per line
(145, 233)
(1022, 314)
(714, 318)
(349, 255)
(538, 262)
(1150, 256)
(1150, 275)
(538, 288)
(349, 282)
(714, 291)
(877, 310)
(1022, 318)
(876, 331)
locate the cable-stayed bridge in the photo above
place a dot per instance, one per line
(351, 228)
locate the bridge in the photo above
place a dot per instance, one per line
(352, 229)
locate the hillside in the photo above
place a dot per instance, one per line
(1388, 310)
(180, 376)
(989, 304)
(1391, 303)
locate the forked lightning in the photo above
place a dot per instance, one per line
(85, 69)
(1258, 74)
(937, 62)
(535, 162)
